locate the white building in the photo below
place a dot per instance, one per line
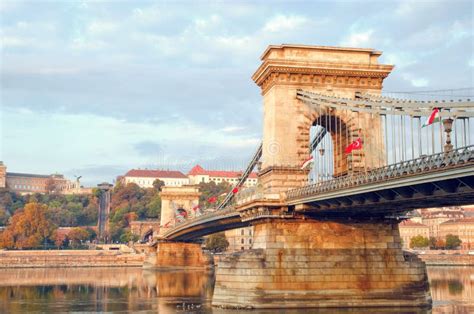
(198, 174)
(145, 178)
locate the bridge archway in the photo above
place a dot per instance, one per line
(328, 138)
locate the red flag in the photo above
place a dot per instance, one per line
(357, 144)
(167, 224)
(235, 190)
(212, 199)
(196, 207)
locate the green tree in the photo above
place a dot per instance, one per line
(128, 236)
(217, 242)
(211, 189)
(158, 184)
(452, 242)
(419, 241)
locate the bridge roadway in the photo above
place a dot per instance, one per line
(444, 179)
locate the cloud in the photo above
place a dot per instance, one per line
(148, 148)
(359, 39)
(12, 41)
(101, 27)
(104, 83)
(233, 129)
(420, 82)
(282, 23)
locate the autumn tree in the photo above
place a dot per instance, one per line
(76, 236)
(29, 228)
(217, 242)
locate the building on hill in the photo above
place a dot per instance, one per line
(144, 178)
(198, 174)
(410, 229)
(463, 228)
(3, 175)
(28, 183)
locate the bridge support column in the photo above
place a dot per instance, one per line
(178, 255)
(310, 264)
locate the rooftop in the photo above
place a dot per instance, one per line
(410, 223)
(469, 220)
(27, 175)
(144, 173)
(198, 170)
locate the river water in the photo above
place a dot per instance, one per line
(134, 290)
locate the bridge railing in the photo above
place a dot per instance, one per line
(205, 216)
(429, 163)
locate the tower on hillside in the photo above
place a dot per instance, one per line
(104, 212)
(3, 175)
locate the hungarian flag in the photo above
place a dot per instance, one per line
(434, 117)
(235, 190)
(212, 199)
(357, 144)
(307, 162)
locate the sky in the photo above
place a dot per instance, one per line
(95, 88)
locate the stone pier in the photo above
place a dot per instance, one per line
(311, 264)
(178, 255)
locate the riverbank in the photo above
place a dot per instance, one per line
(69, 258)
(447, 258)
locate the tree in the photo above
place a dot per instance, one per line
(419, 241)
(76, 236)
(158, 184)
(217, 242)
(128, 236)
(29, 228)
(452, 242)
(211, 189)
(60, 239)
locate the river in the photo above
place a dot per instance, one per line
(134, 290)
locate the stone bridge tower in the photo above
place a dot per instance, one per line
(328, 70)
(300, 261)
(177, 198)
(168, 254)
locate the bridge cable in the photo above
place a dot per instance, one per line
(256, 157)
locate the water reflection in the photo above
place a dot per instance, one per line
(147, 291)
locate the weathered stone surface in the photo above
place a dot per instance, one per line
(297, 264)
(69, 258)
(178, 255)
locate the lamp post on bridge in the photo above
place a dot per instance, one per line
(448, 127)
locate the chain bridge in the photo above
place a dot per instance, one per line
(339, 167)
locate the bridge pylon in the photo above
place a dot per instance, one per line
(308, 261)
(177, 205)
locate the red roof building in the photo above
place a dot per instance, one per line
(145, 177)
(198, 174)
